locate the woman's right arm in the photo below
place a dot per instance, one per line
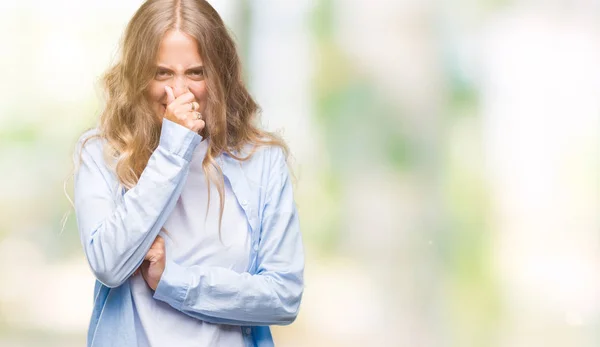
(117, 234)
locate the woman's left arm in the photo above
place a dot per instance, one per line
(272, 295)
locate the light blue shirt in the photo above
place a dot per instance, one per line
(117, 228)
(194, 238)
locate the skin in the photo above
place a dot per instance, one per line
(178, 87)
(178, 92)
(154, 263)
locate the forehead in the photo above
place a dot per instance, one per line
(178, 48)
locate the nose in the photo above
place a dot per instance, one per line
(179, 87)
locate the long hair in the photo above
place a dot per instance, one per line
(130, 127)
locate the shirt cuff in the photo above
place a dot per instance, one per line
(178, 139)
(173, 285)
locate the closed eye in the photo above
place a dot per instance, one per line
(197, 73)
(162, 74)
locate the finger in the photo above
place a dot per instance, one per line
(158, 245)
(184, 108)
(185, 98)
(154, 255)
(197, 115)
(170, 96)
(159, 242)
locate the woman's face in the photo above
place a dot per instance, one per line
(179, 66)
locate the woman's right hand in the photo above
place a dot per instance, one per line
(153, 265)
(183, 110)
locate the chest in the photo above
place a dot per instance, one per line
(194, 235)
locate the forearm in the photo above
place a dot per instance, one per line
(116, 233)
(116, 247)
(222, 296)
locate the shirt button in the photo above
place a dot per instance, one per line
(244, 202)
(256, 248)
(248, 331)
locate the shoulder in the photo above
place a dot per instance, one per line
(264, 164)
(265, 157)
(89, 139)
(89, 146)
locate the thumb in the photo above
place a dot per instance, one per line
(170, 95)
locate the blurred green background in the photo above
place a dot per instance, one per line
(446, 156)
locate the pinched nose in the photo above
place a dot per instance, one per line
(179, 87)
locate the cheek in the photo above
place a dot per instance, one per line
(156, 91)
(199, 91)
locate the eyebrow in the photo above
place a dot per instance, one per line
(194, 67)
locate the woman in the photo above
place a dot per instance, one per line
(178, 125)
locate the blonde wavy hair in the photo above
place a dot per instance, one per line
(130, 127)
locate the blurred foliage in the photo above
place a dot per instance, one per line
(441, 273)
(358, 124)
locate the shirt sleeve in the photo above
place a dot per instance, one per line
(272, 295)
(117, 233)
